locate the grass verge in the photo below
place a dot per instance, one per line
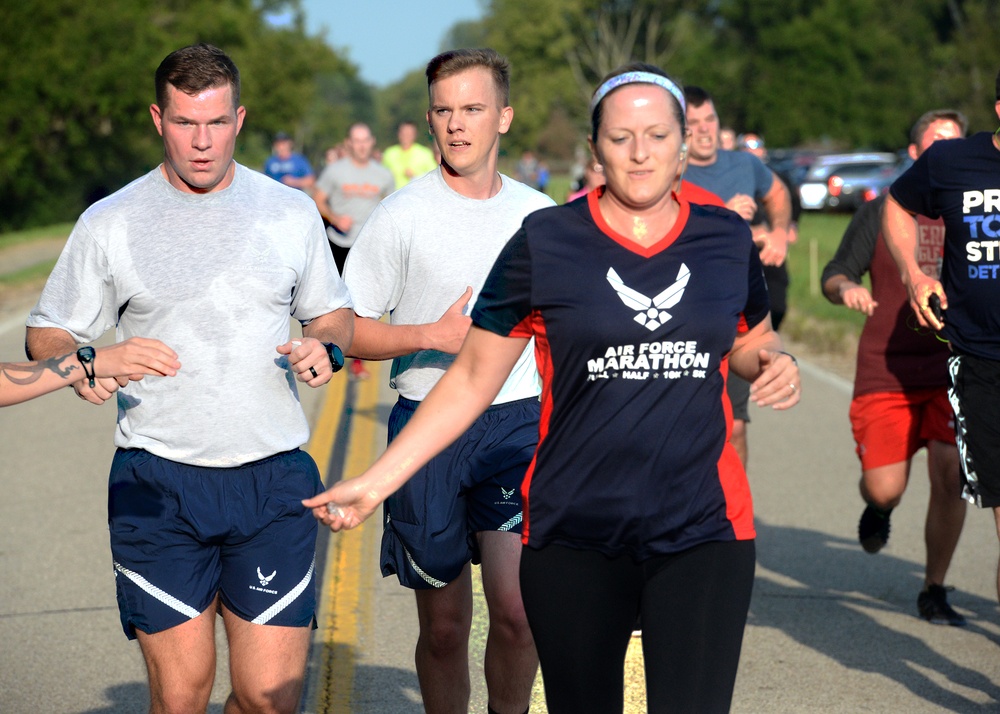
(40, 271)
(811, 318)
(59, 230)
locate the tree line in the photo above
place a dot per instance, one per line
(76, 78)
(831, 74)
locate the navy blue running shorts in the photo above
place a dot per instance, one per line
(474, 485)
(975, 398)
(182, 534)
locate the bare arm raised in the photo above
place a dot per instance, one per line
(841, 290)
(308, 357)
(377, 340)
(778, 205)
(43, 343)
(131, 359)
(467, 388)
(899, 227)
(773, 375)
(341, 221)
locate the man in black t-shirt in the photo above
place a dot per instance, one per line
(959, 180)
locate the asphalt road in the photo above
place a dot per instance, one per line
(831, 629)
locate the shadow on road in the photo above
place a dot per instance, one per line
(812, 587)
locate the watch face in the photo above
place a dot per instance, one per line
(336, 356)
(86, 357)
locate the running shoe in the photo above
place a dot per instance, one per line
(358, 370)
(933, 606)
(873, 529)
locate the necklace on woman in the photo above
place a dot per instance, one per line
(639, 229)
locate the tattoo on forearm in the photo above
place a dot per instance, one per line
(24, 374)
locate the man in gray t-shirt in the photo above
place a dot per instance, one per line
(743, 182)
(204, 508)
(422, 257)
(349, 189)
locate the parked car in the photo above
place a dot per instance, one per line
(845, 181)
(791, 164)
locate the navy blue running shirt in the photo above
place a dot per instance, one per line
(959, 181)
(633, 456)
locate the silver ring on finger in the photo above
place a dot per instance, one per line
(791, 385)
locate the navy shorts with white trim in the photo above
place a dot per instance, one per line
(182, 534)
(474, 485)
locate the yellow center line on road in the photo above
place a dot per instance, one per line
(345, 607)
(325, 430)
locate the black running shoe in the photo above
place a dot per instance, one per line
(873, 529)
(933, 606)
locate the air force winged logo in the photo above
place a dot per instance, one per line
(652, 311)
(265, 579)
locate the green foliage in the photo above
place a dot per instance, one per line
(76, 77)
(59, 231)
(77, 82)
(404, 100)
(811, 318)
(535, 37)
(298, 85)
(965, 68)
(467, 34)
(834, 74)
(30, 274)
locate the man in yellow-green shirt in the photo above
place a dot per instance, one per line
(408, 160)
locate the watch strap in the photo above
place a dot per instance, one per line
(86, 356)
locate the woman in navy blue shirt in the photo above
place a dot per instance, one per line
(635, 502)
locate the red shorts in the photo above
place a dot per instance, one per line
(890, 427)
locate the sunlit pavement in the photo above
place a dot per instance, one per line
(831, 628)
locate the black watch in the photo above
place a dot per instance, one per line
(86, 357)
(335, 355)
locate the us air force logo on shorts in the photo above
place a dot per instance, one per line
(652, 311)
(507, 497)
(265, 580)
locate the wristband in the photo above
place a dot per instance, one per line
(86, 357)
(794, 361)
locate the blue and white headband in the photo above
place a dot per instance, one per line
(633, 77)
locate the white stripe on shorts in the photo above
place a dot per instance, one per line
(429, 579)
(970, 489)
(268, 614)
(516, 520)
(164, 597)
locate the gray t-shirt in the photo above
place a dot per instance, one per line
(215, 277)
(732, 172)
(418, 252)
(354, 190)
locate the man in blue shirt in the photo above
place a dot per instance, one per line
(287, 166)
(744, 183)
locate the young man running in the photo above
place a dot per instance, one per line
(203, 510)
(422, 257)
